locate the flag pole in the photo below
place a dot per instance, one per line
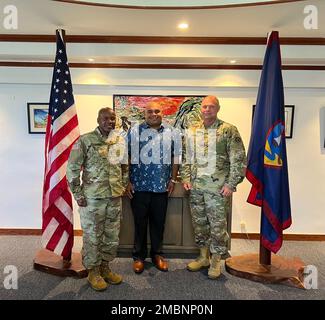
(62, 33)
(67, 260)
(265, 254)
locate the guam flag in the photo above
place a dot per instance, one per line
(267, 159)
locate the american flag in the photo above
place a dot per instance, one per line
(61, 132)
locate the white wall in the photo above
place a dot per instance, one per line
(21, 154)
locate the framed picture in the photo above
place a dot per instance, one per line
(178, 111)
(288, 119)
(37, 116)
(289, 111)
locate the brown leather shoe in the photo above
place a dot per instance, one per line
(138, 266)
(160, 263)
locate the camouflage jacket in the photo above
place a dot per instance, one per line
(103, 175)
(222, 161)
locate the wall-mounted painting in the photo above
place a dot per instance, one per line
(178, 111)
(37, 117)
(289, 111)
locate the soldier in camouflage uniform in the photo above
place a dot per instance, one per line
(98, 154)
(212, 175)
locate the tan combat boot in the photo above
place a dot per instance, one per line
(95, 279)
(108, 275)
(215, 267)
(202, 261)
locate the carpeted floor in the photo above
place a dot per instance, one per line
(152, 284)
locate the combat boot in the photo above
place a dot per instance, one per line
(95, 279)
(108, 275)
(215, 267)
(202, 261)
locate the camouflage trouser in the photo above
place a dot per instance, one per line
(209, 218)
(100, 222)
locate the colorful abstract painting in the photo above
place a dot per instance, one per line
(178, 111)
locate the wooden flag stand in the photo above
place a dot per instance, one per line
(49, 262)
(259, 268)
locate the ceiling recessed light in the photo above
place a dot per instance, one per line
(183, 25)
(91, 60)
(233, 61)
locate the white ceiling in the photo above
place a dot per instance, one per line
(44, 16)
(172, 3)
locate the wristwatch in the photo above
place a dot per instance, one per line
(173, 181)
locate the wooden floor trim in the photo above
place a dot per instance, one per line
(247, 236)
(292, 237)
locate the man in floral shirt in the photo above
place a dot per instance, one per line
(153, 172)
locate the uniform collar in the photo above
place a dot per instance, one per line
(215, 124)
(98, 133)
(112, 136)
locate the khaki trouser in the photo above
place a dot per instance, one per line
(209, 219)
(100, 222)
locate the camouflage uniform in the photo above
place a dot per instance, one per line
(103, 184)
(209, 209)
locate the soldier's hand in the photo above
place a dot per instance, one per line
(187, 186)
(226, 191)
(82, 202)
(170, 187)
(129, 190)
